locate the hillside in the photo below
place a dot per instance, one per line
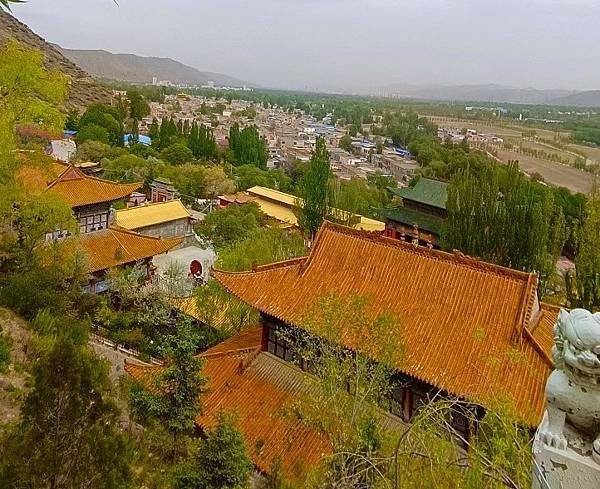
(480, 93)
(589, 98)
(139, 69)
(84, 90)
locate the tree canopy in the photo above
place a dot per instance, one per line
(502, 217)
(313, 190)
(248, 147)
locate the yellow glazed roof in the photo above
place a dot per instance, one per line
(148, 215)
(279, 205)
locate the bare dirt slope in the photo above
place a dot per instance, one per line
(84, 90)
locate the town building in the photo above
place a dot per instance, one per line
(62, 149)
(419, 219)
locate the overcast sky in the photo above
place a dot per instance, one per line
(329, 44)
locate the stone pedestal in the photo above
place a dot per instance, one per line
(572, 468)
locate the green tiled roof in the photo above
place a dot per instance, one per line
(410, 217)
(425, 191)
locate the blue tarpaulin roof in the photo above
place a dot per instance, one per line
(145, 140)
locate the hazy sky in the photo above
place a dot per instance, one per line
(311, 44)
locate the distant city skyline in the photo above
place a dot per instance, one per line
(349, 45)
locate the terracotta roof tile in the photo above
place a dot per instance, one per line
(463, 320)
(255, 386)
(78, 189)
(114, 246)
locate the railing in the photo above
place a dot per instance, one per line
(103, 340)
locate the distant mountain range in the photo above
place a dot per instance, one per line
(495, 93)
(589, 98)
(139, 69)
(83, 89)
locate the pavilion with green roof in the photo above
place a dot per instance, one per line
(420, 217)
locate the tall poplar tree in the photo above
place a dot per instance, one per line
(313, 190)
(500, 216)
(588, 260)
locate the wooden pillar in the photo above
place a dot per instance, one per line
(406, 404)
(393, 232)
(264, 336)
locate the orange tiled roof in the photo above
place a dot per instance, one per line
(114, 246)
(463, 319)
(543, 330)
(77, 189)
(72, 185)
(255, 386)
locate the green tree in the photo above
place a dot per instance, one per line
(153, 131)
(221, 461)
(72, 121)
(224, 227)
(177, 154)
(313, 190)
(357, 197)
(202, 142)
(92, 150)
(67, 435)
(381, 181)
(347, 385)
(502, 217)
(168, 133)
(107, 117)
(587, 261)
(138, 107)
(93, 132)
(5, 347)
(174, 397)
(249, 176)
(260, 247)
(346, 143)
(29, 94)
(248, 147)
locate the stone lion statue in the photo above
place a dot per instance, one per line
(573, 388)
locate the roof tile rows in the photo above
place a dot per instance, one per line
(113, 247)
(425, 191)
(151, 214)
(255, 386)
(410, 217)
(462, 320)
(78, 189)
